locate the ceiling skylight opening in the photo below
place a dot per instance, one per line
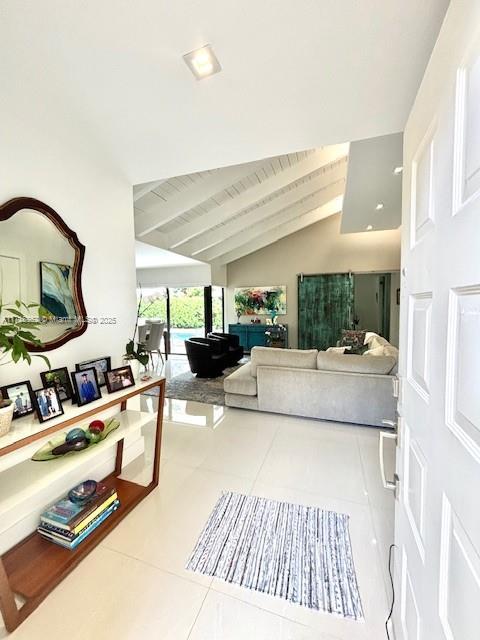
(202, 62)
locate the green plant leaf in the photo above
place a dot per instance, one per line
(27, 335)
(143, 359)
(15, 312)
(46, 360)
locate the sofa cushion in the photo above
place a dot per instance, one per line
(328, 361)
(373, 340)
(241, 382)
(290, 358)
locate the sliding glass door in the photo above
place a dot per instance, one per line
(218, 309)
(186, 311)
(187, 316)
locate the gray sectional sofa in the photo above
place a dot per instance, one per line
(316, 384)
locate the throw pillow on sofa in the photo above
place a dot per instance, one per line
(352, 338)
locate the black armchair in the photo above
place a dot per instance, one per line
(233, 349)
(206, 357)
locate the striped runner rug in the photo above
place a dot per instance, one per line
(298, 553)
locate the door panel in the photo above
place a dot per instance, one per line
(325, 305)
(437, 528)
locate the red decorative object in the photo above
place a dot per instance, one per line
(96, 426)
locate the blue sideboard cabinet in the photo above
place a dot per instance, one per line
(251, 335)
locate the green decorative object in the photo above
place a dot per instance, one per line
(75, 440)
(325, 305)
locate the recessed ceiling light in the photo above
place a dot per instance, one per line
(369, 227)
(379, 206)
(202, 62)
(398, 170)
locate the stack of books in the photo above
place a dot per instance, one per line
(68, 523)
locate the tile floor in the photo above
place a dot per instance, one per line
(134, 586)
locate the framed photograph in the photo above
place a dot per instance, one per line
(85, 385)
(21, 394)
(102, 365)
(59, 379)
(120, 378)
(47, 403)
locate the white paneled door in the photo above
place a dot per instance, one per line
(437, 536)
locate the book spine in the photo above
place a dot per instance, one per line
(70, 535)
(91, 516)
(94, 525)
(67, 514)
(71, 544)
(86, 517)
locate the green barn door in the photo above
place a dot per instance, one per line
(325, 304)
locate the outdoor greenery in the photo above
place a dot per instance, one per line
(186, 309)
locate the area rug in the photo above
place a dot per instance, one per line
(187, 386)
(298, 553)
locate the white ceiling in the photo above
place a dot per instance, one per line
(148, 256)
(296, 75)
(371, 181)
(223, 214)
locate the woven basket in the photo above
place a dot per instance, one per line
(6, 415)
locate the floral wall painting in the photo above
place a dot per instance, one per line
(261, 300)
(56, 284)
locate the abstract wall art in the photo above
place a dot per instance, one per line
(261, 300)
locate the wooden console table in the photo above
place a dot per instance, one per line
(35, 566)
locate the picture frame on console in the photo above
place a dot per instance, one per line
(47, 403)
(86, 386)
(60, 379)
(102, 365)
(119, 378)
(21, 394)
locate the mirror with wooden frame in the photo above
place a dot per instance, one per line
(41, 262)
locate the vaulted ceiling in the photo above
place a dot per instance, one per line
(295, 75)
(221, 215)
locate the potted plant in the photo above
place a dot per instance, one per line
(136, 354)
(17, 334)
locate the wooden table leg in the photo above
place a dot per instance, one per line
(119, 458)
(8, 606)
(158, 434)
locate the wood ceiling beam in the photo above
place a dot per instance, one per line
(331, 173)
(139, 190)
(229, 209)
(156, 212)
(261, 241)
(274, 222)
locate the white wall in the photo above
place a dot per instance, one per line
(319, 248)
(366, 301)
(176, 276)
(57, 162)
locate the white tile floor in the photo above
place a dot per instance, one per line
(134, 585)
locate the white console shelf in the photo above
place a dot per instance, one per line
(34, 566)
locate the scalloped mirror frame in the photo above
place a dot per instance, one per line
(13, 206)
